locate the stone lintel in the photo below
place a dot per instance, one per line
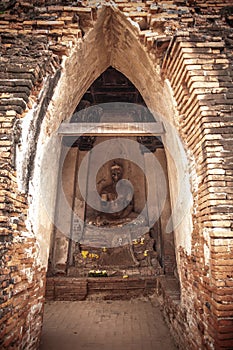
(111, 129)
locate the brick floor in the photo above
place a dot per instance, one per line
(105, 325)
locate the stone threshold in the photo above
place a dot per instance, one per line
(105, 288)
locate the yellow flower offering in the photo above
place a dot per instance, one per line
(84, 253)
(146, 253)
(93, 256)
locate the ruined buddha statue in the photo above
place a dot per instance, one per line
(117, 200)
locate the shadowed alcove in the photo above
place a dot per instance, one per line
(128, 241)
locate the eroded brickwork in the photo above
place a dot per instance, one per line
(191, 45)
(204, 69)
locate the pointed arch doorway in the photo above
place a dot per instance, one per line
(121, 134)
(87, 61)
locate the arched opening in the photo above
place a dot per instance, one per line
(135, 242)
(112, 42)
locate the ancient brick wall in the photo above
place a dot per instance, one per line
(24, 62)
(204, 104)
(190, 44)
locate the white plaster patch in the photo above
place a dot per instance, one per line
(135, 24)
(28, 272)
(206, 236)
(180, 189)
(181, 173)
(43, 193)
